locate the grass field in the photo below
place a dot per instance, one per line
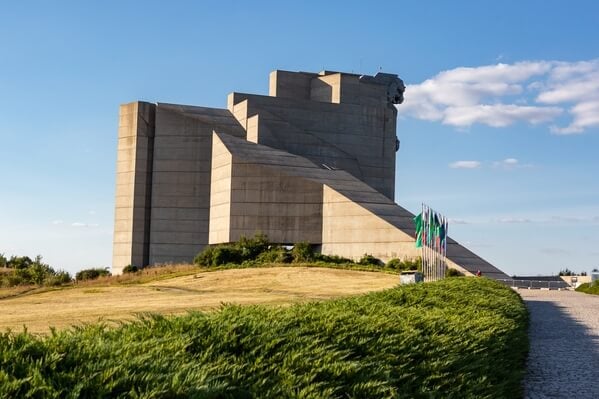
(456, 338)
(124, 297)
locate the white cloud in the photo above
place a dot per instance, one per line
(57, 222)
(458, 221)
(465, 165)
(586, 115)
(514, 220)
(510, 164)
(498, 115)
(79, 224)
(465, 96)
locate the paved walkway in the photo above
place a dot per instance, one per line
(564, 344)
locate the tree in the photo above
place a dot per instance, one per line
(19, 262)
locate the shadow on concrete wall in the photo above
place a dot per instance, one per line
(564, 354)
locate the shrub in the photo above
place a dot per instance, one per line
(226, 254)
(275, 255)
(91, 274)
(246, 249)
(394, 264)
(449, 272)
(204, 258)
(589, 288)
(456, 338)
(369, 260)
(12, 280)
(24, 271)
(218, 255)
(20, 262)
(405, 265)
(252, 247)
(39, 271)
(61, 277)
(302, 252)
(130, 269)
(337, 260)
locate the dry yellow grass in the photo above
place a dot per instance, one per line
(199, 291)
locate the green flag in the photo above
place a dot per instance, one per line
(418, 223)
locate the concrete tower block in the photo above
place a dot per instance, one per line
(133, 185)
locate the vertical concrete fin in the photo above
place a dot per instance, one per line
(220, 192)
(133, 185)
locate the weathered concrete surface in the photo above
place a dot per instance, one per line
(564, 344)
(133, 185)
(314, 161)
(292, 199)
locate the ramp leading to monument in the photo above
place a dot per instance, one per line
(356, 219)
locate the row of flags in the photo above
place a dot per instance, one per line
(431, 237)
(431, 229)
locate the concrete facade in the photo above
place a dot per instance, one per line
(314, 161)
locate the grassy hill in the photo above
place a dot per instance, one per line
(175, 290)
(461, 337)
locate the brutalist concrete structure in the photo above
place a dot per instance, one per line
(313, 161)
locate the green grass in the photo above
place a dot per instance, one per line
(589, 288)
(456, 338)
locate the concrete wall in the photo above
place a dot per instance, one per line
(133, 185)
(579, 280)
(181, 179)
(346, 133)
(248, 198)
(285, 84)
(351, 230)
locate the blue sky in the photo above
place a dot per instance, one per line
(499, 131)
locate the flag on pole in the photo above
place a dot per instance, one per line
(418, 224)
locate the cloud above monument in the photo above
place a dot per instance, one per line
(505, 164)
(563, 95)
(465, 165)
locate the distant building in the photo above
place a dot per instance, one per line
(314, 161)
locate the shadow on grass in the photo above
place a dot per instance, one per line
(564, 353)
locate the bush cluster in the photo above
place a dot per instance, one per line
(131, 269)
(258, 250)
(452, 273)
(456, 338)
(405, 265)
(22, 270)
(369, 260)
(589, 288)
(91, 274)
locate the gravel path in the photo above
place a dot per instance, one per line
(564, 344)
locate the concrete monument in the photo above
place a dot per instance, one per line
(313, 161)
